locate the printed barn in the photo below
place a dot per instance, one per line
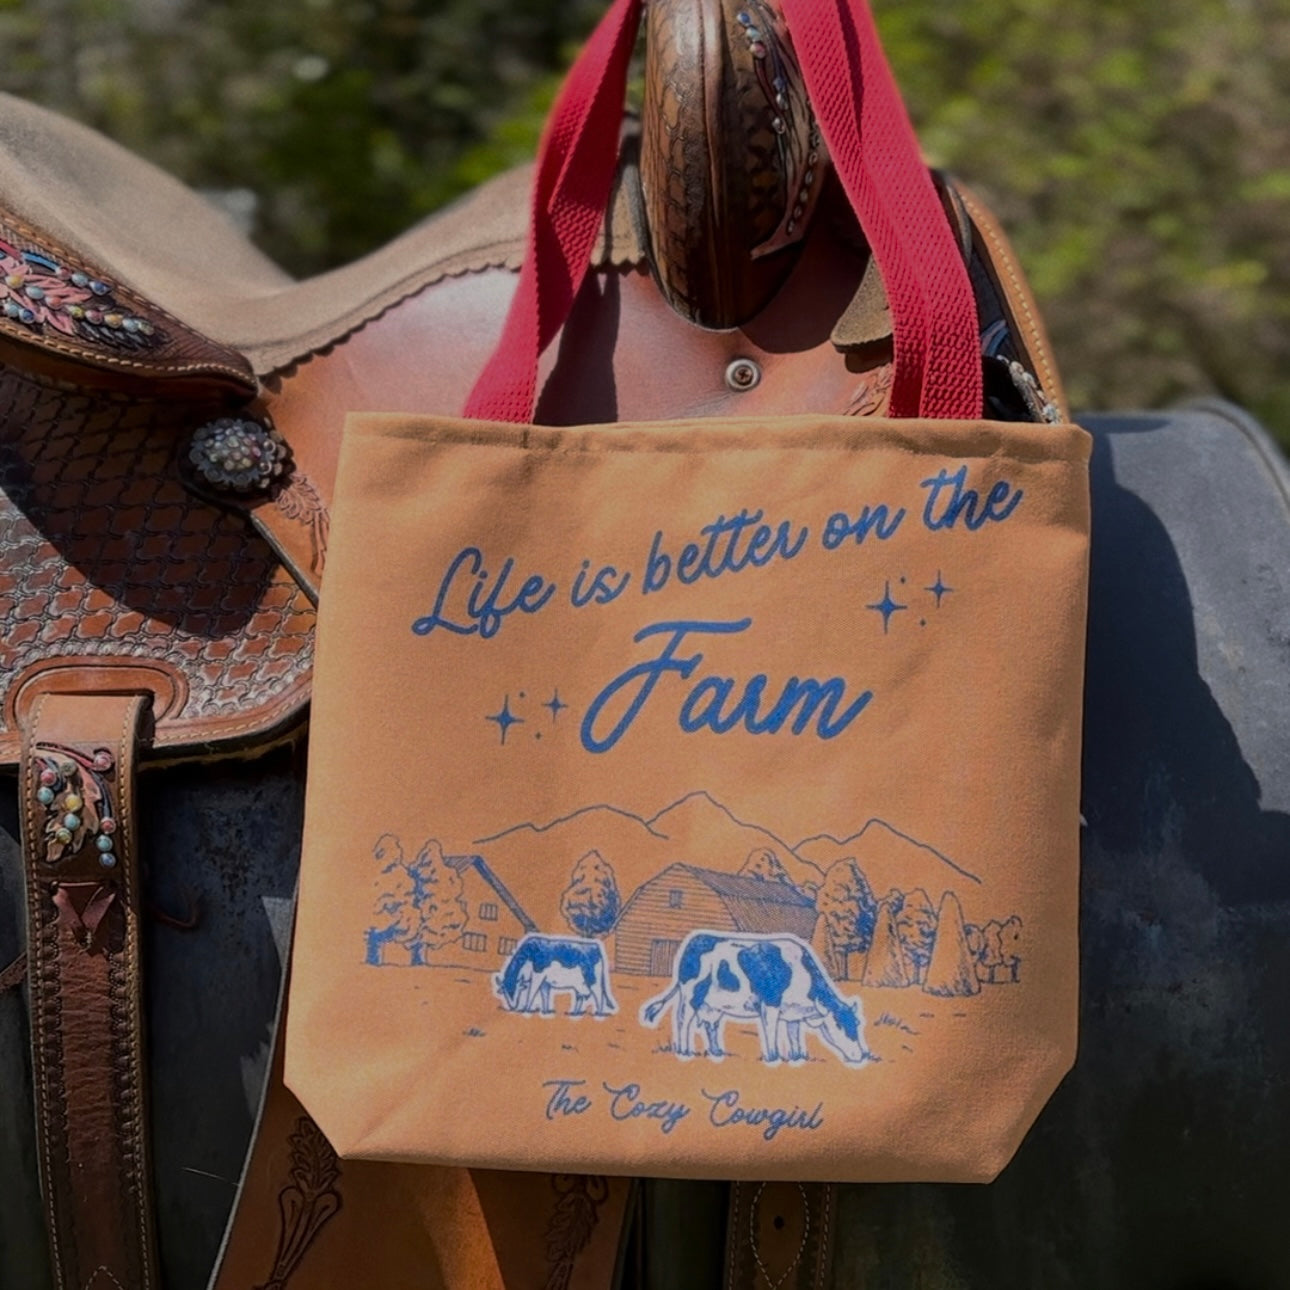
(683, 899)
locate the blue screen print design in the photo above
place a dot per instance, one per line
(643, 956)
(543, 967)
(760, 948)
(775, 981)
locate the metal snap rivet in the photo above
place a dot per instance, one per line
(743, 375)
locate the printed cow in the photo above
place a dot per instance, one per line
(774, 980)
(542, 965)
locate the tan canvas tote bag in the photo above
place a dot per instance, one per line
(700, 798)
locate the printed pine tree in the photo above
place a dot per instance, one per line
(886, 964)
(591, 903)
(397, 919)
(764, 865)
(439, 901)
(847, 904)
(916, 923)
(951, 972)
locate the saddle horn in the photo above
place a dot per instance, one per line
(732, 161)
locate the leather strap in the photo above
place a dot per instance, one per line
(306, 1220)
(938, 365)
(80, 851)
(779, 1236)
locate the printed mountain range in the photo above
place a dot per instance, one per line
(700, 831)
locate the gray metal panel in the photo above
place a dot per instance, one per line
(225, 840)
(1161, 1162)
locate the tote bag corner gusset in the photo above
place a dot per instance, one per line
(701, 799)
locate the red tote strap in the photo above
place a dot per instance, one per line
(575, 174)
(876, 155)
(861, 115)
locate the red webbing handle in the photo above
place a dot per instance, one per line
(863, 120)
(575, 174)
(876, 155)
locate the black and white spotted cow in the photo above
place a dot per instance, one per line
(774, 980)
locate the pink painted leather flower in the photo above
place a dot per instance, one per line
(40, 292)
(36, 295)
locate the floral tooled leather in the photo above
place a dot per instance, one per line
(40, 291)
(105, 558)
(73, 789)
(73, 312)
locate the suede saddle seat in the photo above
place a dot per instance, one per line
(139, 225)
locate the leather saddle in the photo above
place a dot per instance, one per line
(170, 411)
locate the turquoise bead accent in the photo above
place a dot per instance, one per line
(45, 797)
(103, 844)
(71, 821)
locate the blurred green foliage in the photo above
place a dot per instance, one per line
(1138, 152)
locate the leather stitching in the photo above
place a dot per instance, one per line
(732, 1232)
(753, 1243)
(50, 1101)
(1020, 298)
(94, 1276)
(130, 1027)
(825, 1221)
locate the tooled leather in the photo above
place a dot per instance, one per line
(712, 183)
(104, 555)
(1028, 324)
(779, 1236)
(86, 990)
(296, 522)
(174, 351)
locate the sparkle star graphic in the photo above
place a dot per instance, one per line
(505, 719)
(886, 607)
(939, 589)
(556, 706)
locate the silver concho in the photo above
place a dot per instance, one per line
(238, 455)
